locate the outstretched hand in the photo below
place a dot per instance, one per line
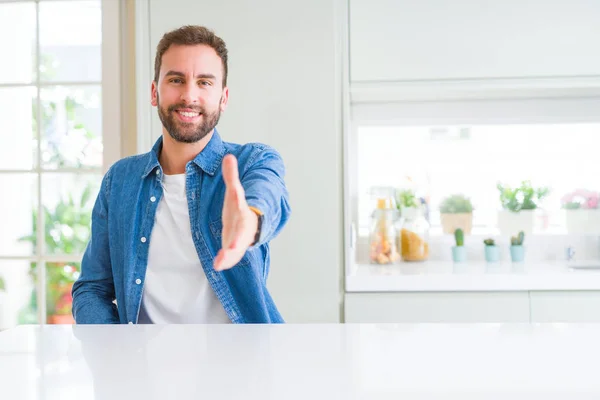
(240, 223)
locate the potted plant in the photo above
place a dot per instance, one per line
(459, 252)
(518, 207)
(492, 252)
(517, 251)
(456, 211)
(406, 198)
(582, 213)
(67, 231)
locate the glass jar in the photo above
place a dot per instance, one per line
(382, 237)
(414, 235)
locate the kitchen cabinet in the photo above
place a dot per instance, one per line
(472, 307)
(404, 40)
(437, 307)
(565, 306)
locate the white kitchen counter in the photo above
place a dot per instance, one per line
(478, 276)
(287, 362)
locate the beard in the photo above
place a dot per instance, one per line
(188, 132)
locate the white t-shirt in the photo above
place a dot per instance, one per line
(176, 290)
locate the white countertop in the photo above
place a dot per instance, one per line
(477, 276)
(288, 362)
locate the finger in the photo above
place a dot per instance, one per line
(228, 258)
(235, 241)
(218, 260)
(230, 171)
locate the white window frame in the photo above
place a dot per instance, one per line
(111, 131)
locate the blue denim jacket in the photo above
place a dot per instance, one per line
(114, 263)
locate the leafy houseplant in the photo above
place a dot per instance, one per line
(517, 251)
(406, 199)
(518, 204)
(67, 225)
(456, 211)
(524, 197)
(459, 252)
(67, 231)
(492, 252)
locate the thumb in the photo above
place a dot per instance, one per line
(230, 171)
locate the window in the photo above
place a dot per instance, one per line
(441, 148)
(52, 149)
(439, 161)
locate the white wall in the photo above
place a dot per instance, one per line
(285, 90)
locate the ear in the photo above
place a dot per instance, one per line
(224, 99)
(154, 96)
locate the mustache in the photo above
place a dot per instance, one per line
(183, 105)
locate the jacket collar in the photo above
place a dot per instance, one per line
(208, 159)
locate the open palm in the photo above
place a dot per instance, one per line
(239, 221)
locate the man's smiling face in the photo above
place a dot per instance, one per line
(189, 94)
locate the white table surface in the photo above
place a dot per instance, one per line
(320, 361)
(472, 276)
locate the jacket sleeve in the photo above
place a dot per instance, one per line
(265, 190)
(94, 291)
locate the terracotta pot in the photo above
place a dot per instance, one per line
(451, 222)
(61, 319)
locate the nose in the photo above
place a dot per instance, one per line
(189, 93)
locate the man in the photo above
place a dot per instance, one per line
(181, 234)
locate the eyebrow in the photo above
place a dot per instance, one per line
(199, 76)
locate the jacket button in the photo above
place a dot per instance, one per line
(143, 239)
(153, 199)
(138, 281)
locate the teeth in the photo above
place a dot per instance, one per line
(189, 114)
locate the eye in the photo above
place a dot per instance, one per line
(205, 83)
(176, 80)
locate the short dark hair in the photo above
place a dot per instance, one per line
(191, 35)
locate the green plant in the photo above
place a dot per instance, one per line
(518, 240)
(456, 204)
(66, 231)
(2, 285)
(489, 242)
(406, 199)
(459, 237)
(524, 197)
(572, 205)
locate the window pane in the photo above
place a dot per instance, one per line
(71, 127)
(70, 41)
(68, 200)
(471, 160)
(17, 39)
(60, 277)
(18, 303)
(17, 131)
(17, 214)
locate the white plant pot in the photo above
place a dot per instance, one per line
(583, 222)
(511, 223)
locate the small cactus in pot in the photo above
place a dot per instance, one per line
(492, 252)
(459, 251)
(517, 251)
